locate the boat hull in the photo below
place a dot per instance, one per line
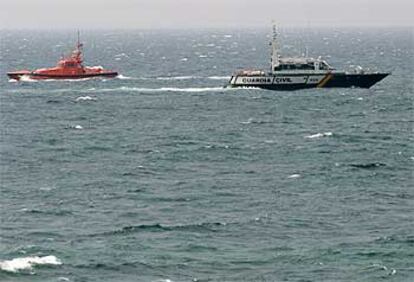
(304, 81)
(38, 76)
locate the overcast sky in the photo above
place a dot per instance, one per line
(202, 13)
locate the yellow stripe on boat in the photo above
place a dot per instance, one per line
(325, 80)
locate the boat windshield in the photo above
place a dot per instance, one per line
(324, 66)
(308, 66)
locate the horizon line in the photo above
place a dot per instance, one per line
(306, 26)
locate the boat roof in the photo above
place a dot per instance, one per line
(297, 60)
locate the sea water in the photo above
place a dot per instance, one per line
(162, 174)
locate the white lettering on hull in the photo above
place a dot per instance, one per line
(253, 80)
(277, 80)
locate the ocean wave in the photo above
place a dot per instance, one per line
(318, 135)
(368, 165)
(189, 77)
(27, 263)
(162, 89)
(113, 265)
(177, 77)
(389, 271)
(48, 212)
(253, 121)
(123, 77)
(76, 127)
(216, 146)
(169, 78)
(219, 77)
(53, 101)
(133, 89)
(200, 227)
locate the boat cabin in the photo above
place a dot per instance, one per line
(301, 64)
(68, 64)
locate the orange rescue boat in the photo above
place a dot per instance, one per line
(69, 67)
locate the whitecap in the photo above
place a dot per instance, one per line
(219, 77)
(46, 188)
(27, 78)
(200, 89)
(184, 59)
(120, 76)
(188, 77)
(318, 135)
(85, 98)
(121, 55)
(13, 80)
(79, 127)
(294, 175)
(185, 77)
(249, 121)
(27, 263)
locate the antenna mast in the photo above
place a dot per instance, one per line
(79, 45)
(275, 49)
(78, 51)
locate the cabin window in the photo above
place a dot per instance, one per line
(295, 67)
(70, 64)
(323, 66)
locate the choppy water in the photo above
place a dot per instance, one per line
(163, 175)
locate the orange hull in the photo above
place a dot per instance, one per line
(39, 76)
(69, 67)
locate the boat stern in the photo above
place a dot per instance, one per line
(231, 83)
